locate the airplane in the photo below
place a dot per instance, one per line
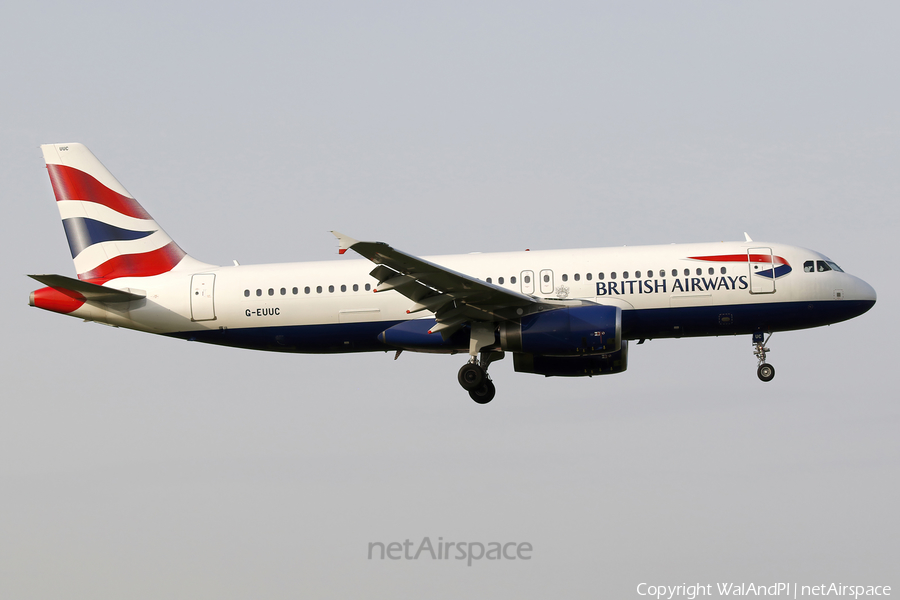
(563, 313)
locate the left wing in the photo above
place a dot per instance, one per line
(455, 298)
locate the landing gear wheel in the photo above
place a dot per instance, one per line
(765, 372)
(485, 393)
(471, 377)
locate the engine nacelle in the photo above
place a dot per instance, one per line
(573, 366)
(570, 331)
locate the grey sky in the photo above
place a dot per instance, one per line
(141, 467)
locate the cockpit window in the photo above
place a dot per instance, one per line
(834, 266)
(809, 266)
(822, 266)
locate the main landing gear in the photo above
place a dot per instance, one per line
(473, 375)
(764, 371)
(474, 379)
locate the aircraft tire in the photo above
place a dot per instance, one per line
(485, 393)
(471, 377)
(765, 372)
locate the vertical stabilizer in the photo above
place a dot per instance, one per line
(109, 232)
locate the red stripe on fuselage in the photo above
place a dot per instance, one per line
(760, 258)
(72, 184)
(145, 264)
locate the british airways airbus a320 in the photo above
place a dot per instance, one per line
(568, 313)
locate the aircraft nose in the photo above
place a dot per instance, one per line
(865, 292)
(862, 297)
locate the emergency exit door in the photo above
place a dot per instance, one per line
(527, 279)
(546, 282)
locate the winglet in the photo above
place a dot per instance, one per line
(345, 243)
(747, 237)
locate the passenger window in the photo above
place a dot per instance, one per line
(687, 272)
(722, 270)
(355, 287)
(527, 279)
(246, 293)
(343, 288)
(600, 276)
(822, 266)
(674, 272)
(368, 287)
(612, 275)
(662, 272)
(500, 280)
(306, 290)
(318, 289)
(625, 275)
(259, 292)
(649, 273)
(546, 279)
(577, 277)
(699, 271)
(712, 271)
(637, 274)
(295, 291)
(271, 292)
(330, 289)
(512, 279)
(283, 291)
(489, 280)
(564, 277)
(589, 276)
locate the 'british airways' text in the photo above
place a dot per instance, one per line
(665, 286)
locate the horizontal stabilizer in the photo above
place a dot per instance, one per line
(89, 291)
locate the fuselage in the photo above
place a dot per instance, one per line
(559, 313)
(677, 290)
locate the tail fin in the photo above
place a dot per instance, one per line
(110, 234)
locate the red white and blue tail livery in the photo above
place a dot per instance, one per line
(558, 312)
(110, 234)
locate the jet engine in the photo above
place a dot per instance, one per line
(572, 366)
(570, 331)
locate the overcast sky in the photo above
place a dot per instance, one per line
(139, 467)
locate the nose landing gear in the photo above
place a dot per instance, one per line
(764, 371)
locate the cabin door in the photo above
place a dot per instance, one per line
(762, 270)
(202, 306)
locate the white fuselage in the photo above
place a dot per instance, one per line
(339, 292)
